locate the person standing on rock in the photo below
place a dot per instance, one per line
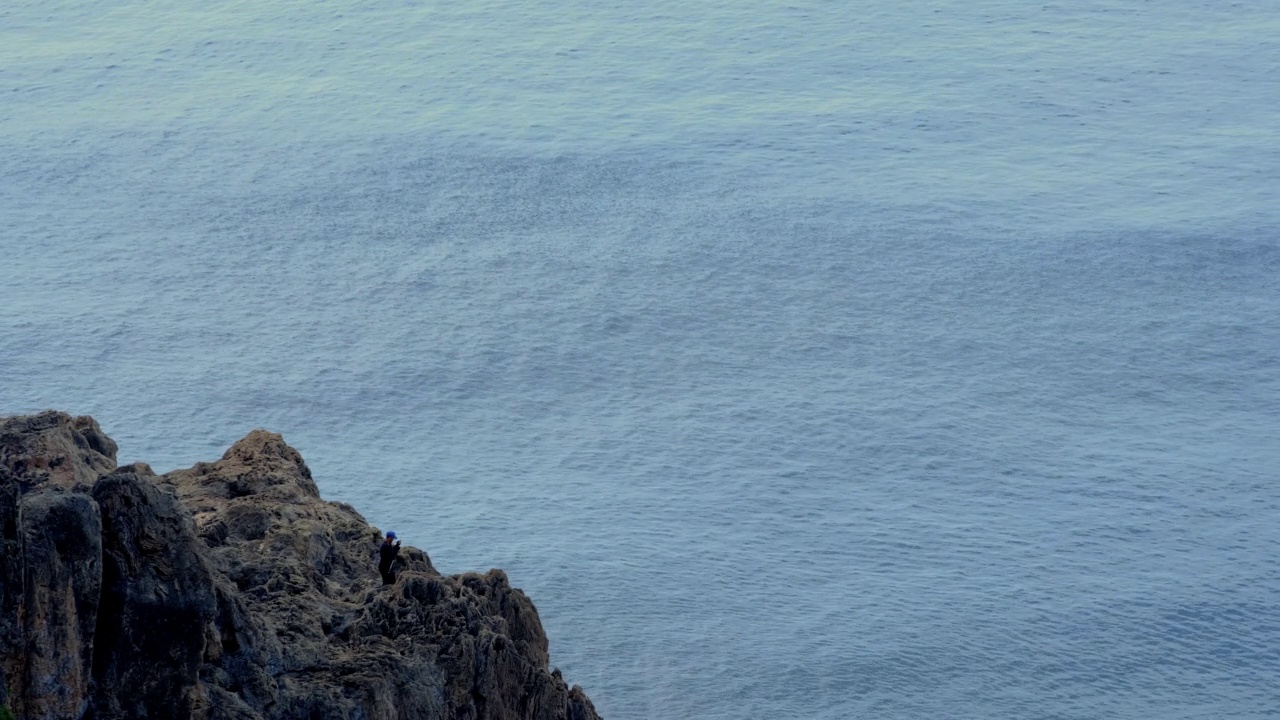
(387, 553)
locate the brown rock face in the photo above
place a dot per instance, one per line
(53, 448)
(62, 586)
(231, 590)
(51, 577)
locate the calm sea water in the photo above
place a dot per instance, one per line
(804, 360)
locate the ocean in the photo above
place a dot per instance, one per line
(799, 360)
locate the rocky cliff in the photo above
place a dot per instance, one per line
(232, 591)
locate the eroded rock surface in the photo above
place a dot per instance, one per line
(232, 591)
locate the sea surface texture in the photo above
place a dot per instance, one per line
(800, 360)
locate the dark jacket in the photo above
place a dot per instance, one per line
(386, 555)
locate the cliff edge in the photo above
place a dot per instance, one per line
(232, 591)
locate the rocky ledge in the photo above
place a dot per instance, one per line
(232, 591)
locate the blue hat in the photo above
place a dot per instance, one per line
(391, 534)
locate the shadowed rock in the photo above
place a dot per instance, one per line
(157, 600)
(62, 550)
(232, 591)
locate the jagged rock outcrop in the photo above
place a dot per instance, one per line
(232, 591)
(53, 449)
(61, 583)
(157, 600)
